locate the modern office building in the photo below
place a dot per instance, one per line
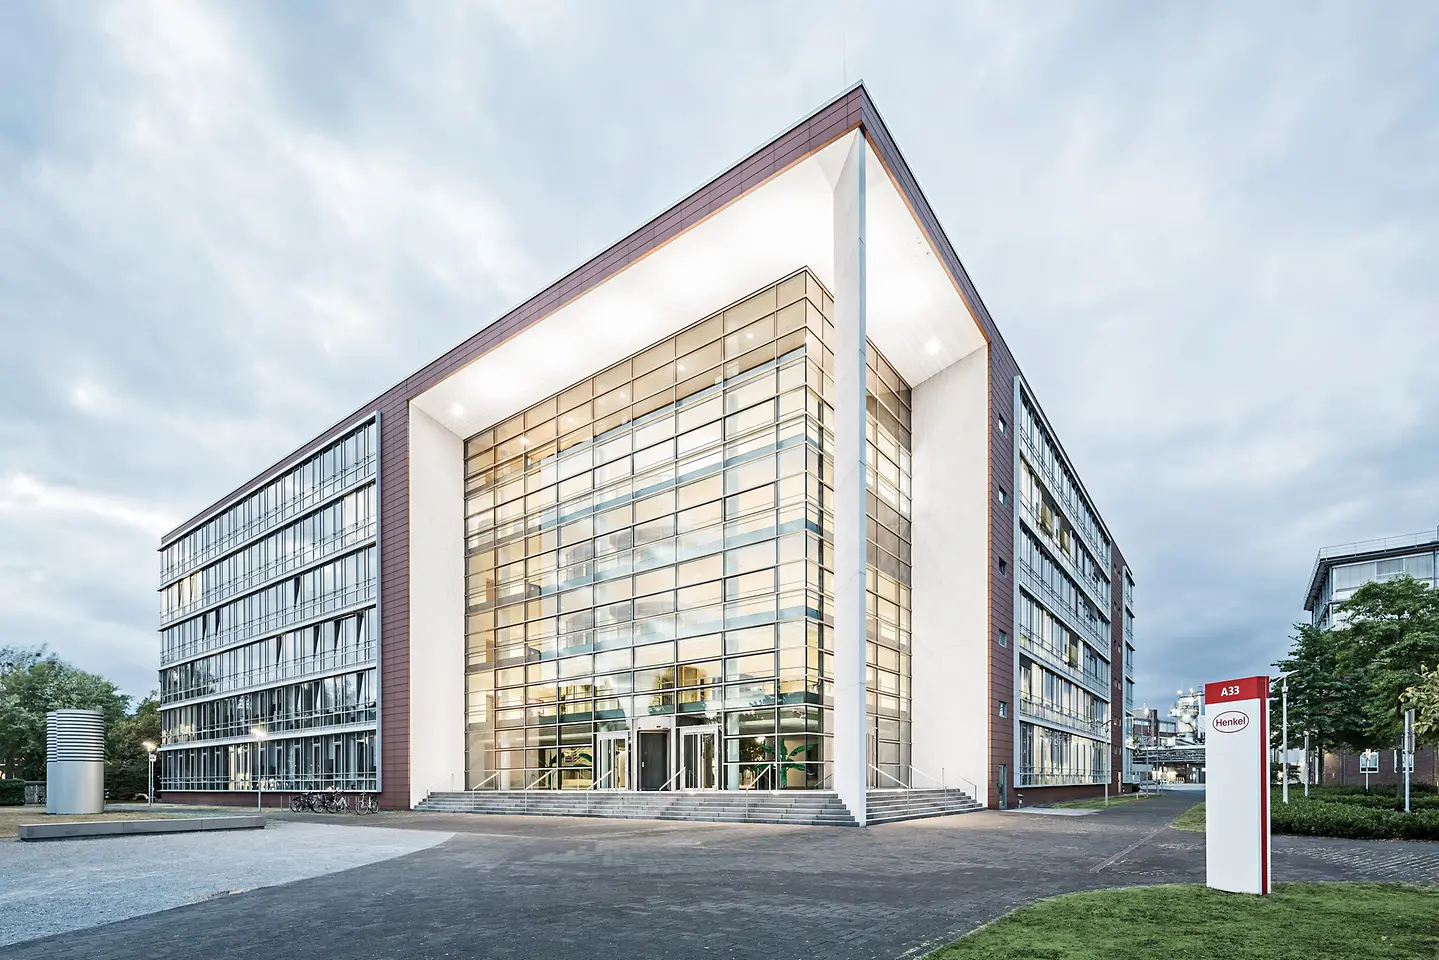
(1338, 572)
(755, 499)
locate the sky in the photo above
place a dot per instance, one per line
(1209, 234)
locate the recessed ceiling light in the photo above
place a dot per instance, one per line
(933, 347)
(457, 410)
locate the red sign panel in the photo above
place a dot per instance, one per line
(1248, 688)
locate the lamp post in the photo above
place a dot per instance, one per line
(150, 792)
(1284, 751)
(1306, 763)
(259, 733)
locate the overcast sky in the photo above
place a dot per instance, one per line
(1210, 236)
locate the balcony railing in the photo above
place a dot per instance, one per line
(345, 539)
(1382, 543)
(352, 476)
(1030, 777)
(280, 620)
(1037, 461)
(1098, 683)
(1098, 594)
(311, 722)
(1076, 620)
(271, 674)
(1043, 711)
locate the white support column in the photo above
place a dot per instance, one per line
(437, 607)
(851, 756)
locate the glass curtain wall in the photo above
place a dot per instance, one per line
(268, 623)
(651, 550)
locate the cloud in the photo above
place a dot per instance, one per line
(1208, 236)
(22, 495)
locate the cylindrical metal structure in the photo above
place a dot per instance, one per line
(74, 761)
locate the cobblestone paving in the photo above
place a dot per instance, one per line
(562, 888)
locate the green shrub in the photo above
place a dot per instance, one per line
(1386, 800)
(125, 782)
(12, 793)
(1377, 789)
(1321, 818)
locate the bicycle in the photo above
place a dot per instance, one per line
(318, 801)
(367, 803)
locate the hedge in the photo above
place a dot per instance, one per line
(12, 793)
(1417, 801)
(1321, 818)
(1377, 789)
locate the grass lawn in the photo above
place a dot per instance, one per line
(1097, 803)
(1299, 921)
(1191, 819)
(12, 817)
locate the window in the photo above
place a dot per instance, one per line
(1003, 425)
(1003, 568)
(1003, 708)
(1003, 496)
(1003, 639)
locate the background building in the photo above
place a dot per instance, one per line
(1169, 745)
(1338, 572)
(757, 498)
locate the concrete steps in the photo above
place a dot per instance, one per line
(800, 807)
(804, 807)
(888, 806)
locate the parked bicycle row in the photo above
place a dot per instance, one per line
(332, 801)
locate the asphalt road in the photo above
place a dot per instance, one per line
(539, 888)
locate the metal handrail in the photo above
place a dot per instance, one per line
(974, 787)
(544, 776)
(484, 781)
(754, 784)
(909, 794)
(671, 780)
(589, 791)
(525, 793)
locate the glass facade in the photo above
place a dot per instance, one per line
(648, 562)
(1062, 619)
(269, 636)
(1344, 579)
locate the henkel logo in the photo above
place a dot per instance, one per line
(1230, 721)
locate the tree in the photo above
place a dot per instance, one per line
(127, 760)
(1424, 698)
(32, 683)
(1325, 699)
(1391, 637)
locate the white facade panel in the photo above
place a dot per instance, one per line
(950, 539)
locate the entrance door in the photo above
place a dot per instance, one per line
(699, 758)
(612, 762)
(654, 757)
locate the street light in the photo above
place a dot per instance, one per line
(1109, 746)
(150, 793)
(259, 733)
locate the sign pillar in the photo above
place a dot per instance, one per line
(1237, 795)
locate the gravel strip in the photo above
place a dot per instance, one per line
(55, 887)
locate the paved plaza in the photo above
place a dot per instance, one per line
(566, 888)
